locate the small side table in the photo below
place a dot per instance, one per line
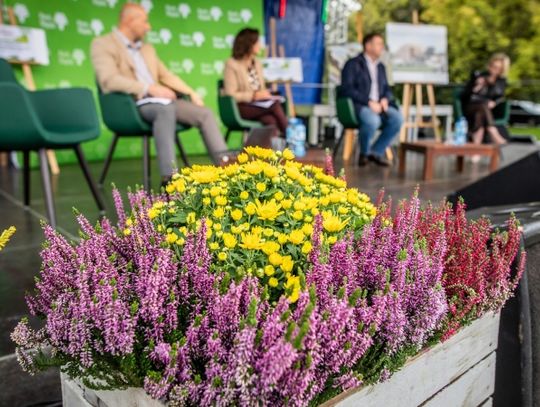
(432, 149)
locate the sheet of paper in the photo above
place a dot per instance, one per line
(160, 101)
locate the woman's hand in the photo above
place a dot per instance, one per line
(479, 84)
(491, 104)
(262, 95)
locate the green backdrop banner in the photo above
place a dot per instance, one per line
(192, 37)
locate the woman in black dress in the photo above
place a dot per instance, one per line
(483, 92)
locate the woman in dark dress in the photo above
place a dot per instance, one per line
(483, 92)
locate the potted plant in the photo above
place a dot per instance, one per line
(265, 282)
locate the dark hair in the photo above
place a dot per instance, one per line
(244, 42)
(369, 37)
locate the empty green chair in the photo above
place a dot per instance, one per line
(230, 115)
(46, 119)
(122, 118)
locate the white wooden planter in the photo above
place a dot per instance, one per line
(459, 372)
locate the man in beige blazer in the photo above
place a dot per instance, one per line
(124, 63)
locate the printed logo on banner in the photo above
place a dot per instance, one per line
(94, 27)
(195, 39)
(75, 57)
(242, 16)
(202, 92)
(57, 20)
(214, 68)
(209, 14)
(223, 42)
(184, 10)
(61, 84)
(218, 67)
(162, 36)
(182, 67)
(147, 5)
(21, 11)
(165, 35)
(105, 3)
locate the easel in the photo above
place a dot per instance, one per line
(407, 102)
(30, 84)
(273, 54)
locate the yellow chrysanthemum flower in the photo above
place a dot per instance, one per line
(296, 237)
(171, 238)
(275, 259)
(288, 154)
(218, 213)
(242, 158)
(236, 214)
(286, 204)
(306, 247)
(254, 167)
(261, 186)
(222, 256)
(270, 247)
(251, 241)
(229, 240)
(251, 208)
(273, 282)
(332, 223)
(221, 200)
(205, 174)
(268, 210)
(244, 195)
(269, 270)
(287, 264)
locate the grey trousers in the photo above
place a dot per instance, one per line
(164, 119)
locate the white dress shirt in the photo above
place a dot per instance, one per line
(141, 70)
(373, 74)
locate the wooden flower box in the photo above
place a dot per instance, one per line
(458, 372)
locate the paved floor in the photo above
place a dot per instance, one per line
(20, 262)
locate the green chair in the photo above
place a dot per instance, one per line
(230, 116)
(122, 118)
(46, 119)
(501, 112)
(346, 114)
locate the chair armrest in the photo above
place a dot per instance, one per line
(61, 110)
(120, 113)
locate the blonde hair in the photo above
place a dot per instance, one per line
(499, 56)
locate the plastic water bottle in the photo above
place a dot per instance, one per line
(296, 137)
(460, 132)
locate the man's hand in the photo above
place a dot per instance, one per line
(491, 104)
(262, 95)
(376, 107)
(384, 104)
(196, 99)
(159, 91)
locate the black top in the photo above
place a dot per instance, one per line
(489, 91)
(356, 81)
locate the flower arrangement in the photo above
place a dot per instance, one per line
(169, 301)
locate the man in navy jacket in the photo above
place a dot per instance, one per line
(364, 80)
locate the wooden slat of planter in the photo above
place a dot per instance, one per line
(470, 389)
(428, 373)
(488, 403)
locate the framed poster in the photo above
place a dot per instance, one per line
(23, 44)
(418, 53)
(282, 69)
(337, 56)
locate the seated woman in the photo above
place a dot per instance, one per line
(243, 80)
(483, 92)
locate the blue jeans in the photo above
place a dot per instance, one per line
(390, 123)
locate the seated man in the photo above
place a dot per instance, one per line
(364, 80)
(123, 63)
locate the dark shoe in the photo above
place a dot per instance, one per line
(383, 162)
(362, 161)
(165, 181)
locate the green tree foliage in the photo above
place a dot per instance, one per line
(476, 29)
